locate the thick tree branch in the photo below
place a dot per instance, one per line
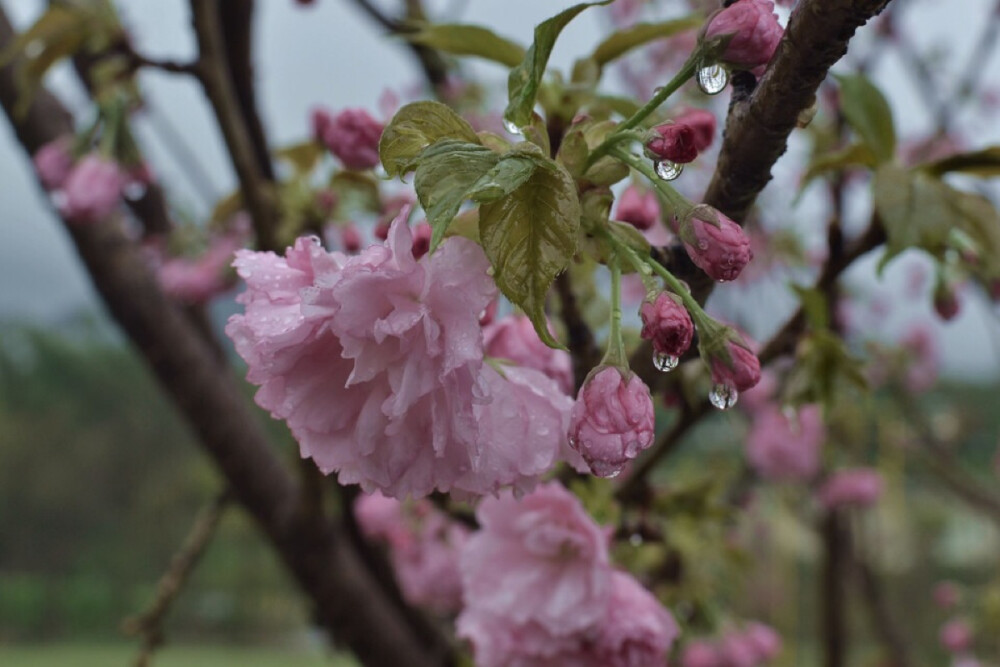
(258, 196)
(836, 534)
(348, 602)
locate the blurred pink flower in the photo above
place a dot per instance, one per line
(858, 487)
(701, 653)
(638, 208)
(636, 631)
(352, 135)
(956, 635)
(780, 447)
(92, 190)
(53, 162)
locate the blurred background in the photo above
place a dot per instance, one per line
(100, 481)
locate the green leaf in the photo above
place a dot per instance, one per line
(530, 236)
(868, 112)
(523, 82)
(469, 40)
(853, 155)
(508, 175)
(445, 175)
(356, 191)
(623, 41)
(415, 127)
(302, 156)
(814, 304)
(985, 163)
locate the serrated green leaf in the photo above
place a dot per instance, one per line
(469, 40)
(302, 156)
(508, 175)
(446, 172)
(623, 41)
(523, 81)
(530, 236)
(868, 112)
(415, 127)
(985, 163)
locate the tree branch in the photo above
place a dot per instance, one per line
(221, 92)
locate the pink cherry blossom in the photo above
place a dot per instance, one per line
(859, 487)
(637, 631)
(352, 135)
(381, 518)
(53, 163)
(754, 30)
(540, 559)
(497, 641)
(783, 447)
(92, 190)
(373, 360)
(639, 209)
(199, 279)
(721, 251)
(956, 635)
(514, 338)
(612, 420)
(667, 324)
(672, 142)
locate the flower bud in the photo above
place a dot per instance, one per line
(765, 641)
(753, 29)
(667, 324)
(612, 420)
(721, 251)
(350, 238)
(53, 163)
(741, 373)
(352, 135)
(641, 210)
(701, 654)
(859, 487)
(702, 123)
(946, 303)
(672, 142)
(91, 190)
(422, 233)
(956, 636)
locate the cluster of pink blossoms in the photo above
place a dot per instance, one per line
(89, 189)
(376, 363)
(782, 446)
(756, 644)
(424, 546)
(539, 590)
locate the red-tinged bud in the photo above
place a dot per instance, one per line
(667, 324)
(946, 303)
(421, 239)
(382, 230)
(702, 122)
(612, 420)
(722, 252)
(742, 372)
(672, 142)
(350, 238)
(352, 135)
(753, 29)
(639, 209)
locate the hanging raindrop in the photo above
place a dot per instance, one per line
(511, 126)
(713, 79)
(667, 170)
(664, 362)
(723, 396)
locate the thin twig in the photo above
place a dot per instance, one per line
(148, 624)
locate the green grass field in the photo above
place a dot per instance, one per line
(116, 655)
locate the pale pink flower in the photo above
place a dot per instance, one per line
(783, 447)
(612, 420)
(381, 518)
(701, 653)
(721, 251)
(859, 487)
(956, 635)
(373, 360)
(540, 559)
(91, 191)
(514, 338)
(754, 29)
(637, 631)
(499, 642)
(352, 135)
(667, 324)
(639, 209)
(53, 163)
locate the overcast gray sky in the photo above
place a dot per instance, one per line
(331, 54)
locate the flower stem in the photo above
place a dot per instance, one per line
(615, 355)
(678, 202)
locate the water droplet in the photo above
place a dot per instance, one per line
(713, 79)
(723, 396)
(134, 190)
(605, 470)
(665, 362)
(667, 170)
(511, 126)
(635, 539)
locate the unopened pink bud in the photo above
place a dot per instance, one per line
(53, 163)
(946, 303)
(755, 32)
(702, 123)
(91, 191)
(352, 135)
(350, 238)
(612, 420)
(743, 371)
(956, 636)
(641, 210)
(722, 252)
(422, 233)
(672, 142)
(667, 324)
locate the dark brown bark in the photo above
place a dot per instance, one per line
(833, 588)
